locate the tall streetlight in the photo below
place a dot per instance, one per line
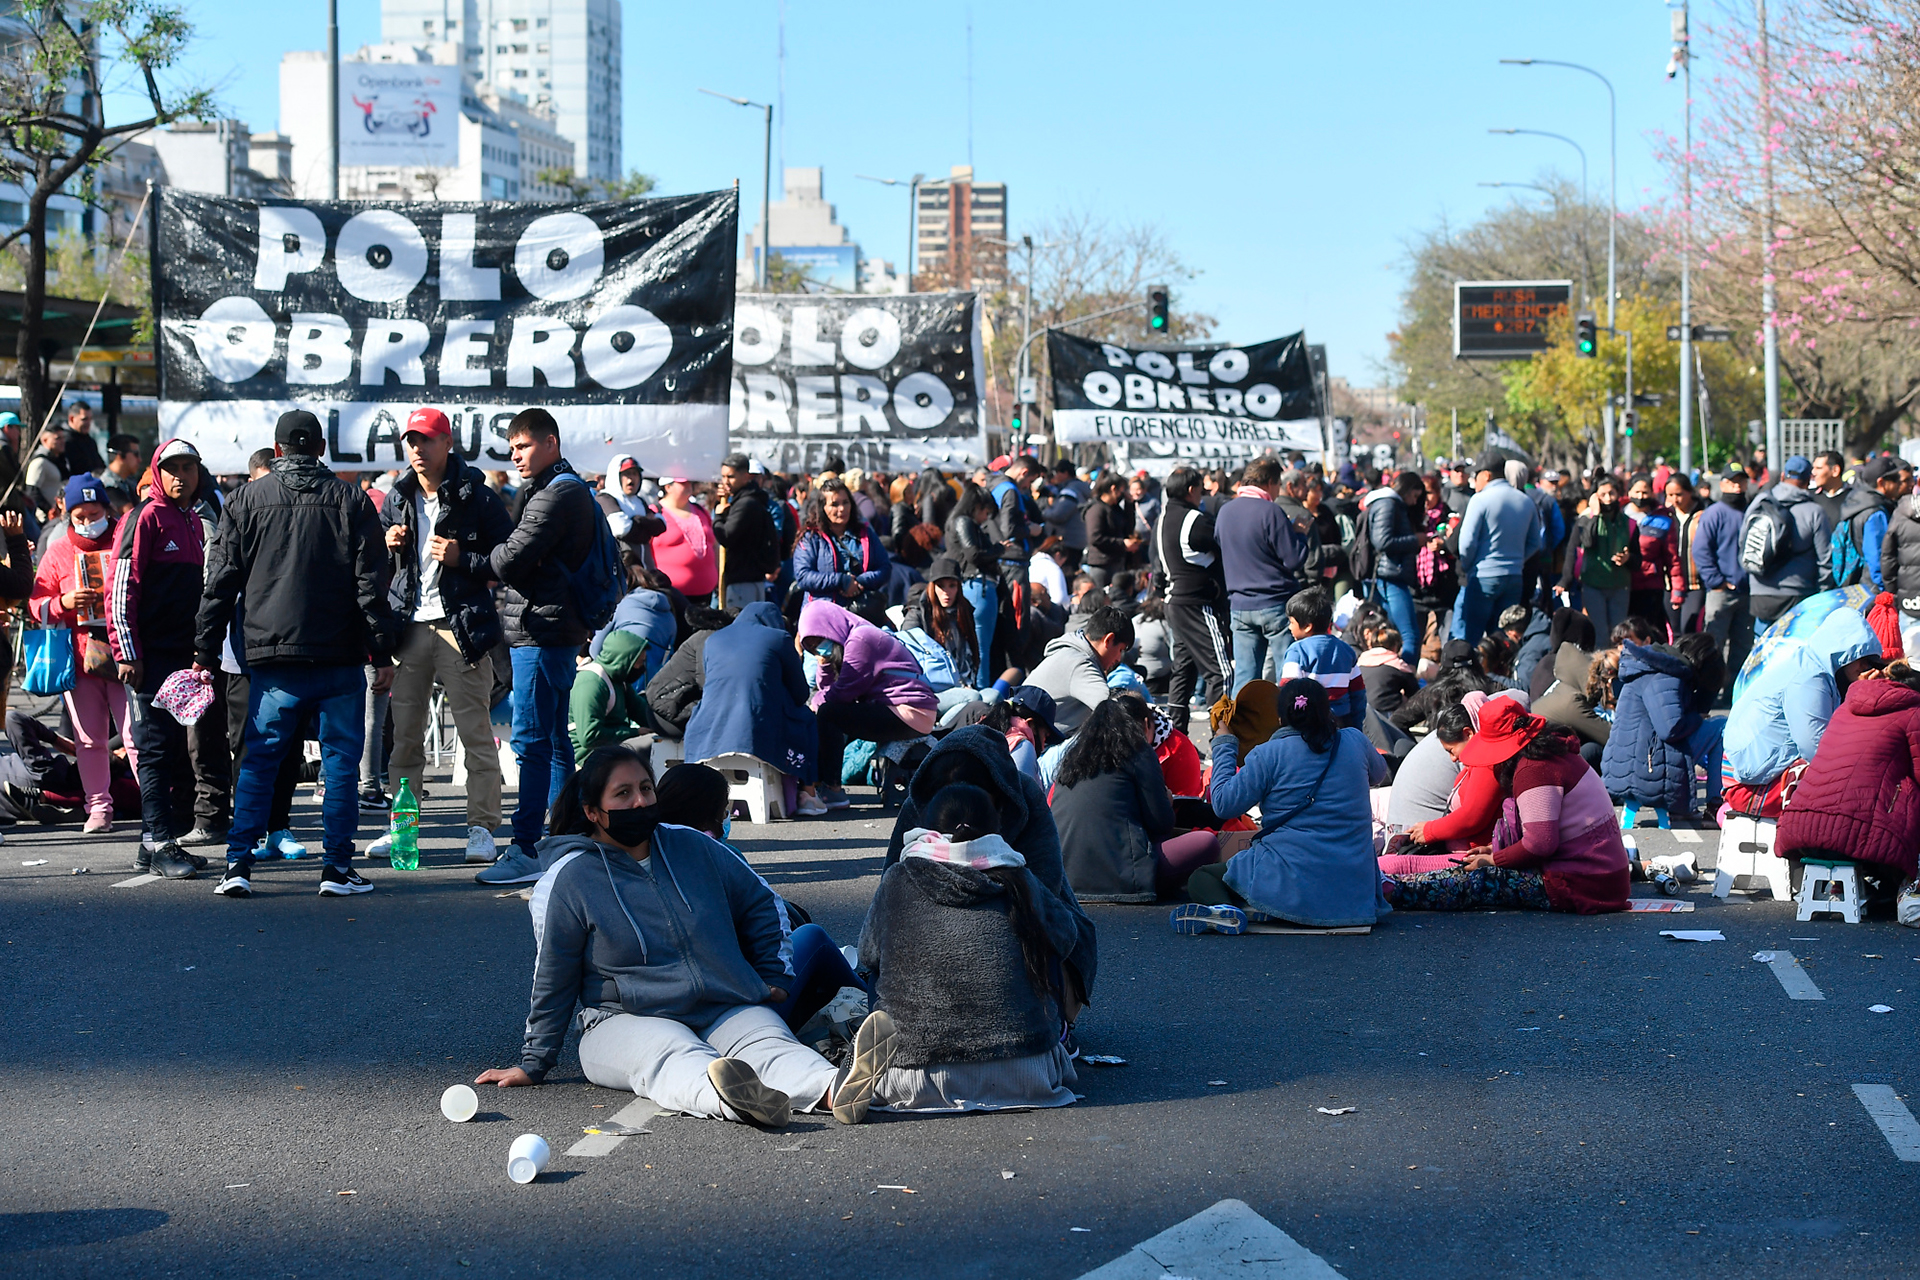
(913, 211)
(766, 183)
(1613, 208)
(1682, 62)
(1776, 447)
(1026, 322)
(333, 99)
(1542, 133)
(1528, 186)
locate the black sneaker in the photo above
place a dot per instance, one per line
(336, 883)
(169, 861)
(234, 884)
(374, 801)
(143, 859)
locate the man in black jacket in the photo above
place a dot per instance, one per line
(1196, 585)
(746, 528)
(551, 540)
(302, 548)
(442, 523)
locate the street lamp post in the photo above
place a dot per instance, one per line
(913, 211)
(333, 99)
(1613, 207)
(1683, 62)
(1776, 447)
(1549, 192)
(1561, 137)
(766, 184)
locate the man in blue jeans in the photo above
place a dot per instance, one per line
(300, 564)
(1263, 556)
(1500, 533)
(551, 539)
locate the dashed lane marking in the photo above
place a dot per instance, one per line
(1227, 1240)
(1897, 1124)
(1793, 978)
(136, 882)
(635, 1113)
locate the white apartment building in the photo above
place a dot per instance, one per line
(558, 54)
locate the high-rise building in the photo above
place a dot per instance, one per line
(806, 235)
(558, 54)
(955, 224)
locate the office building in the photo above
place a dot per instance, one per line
(558, 55)
(806, 236)
(956, 223)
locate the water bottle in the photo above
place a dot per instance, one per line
(403, 825)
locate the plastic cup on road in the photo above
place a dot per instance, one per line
(459, 1103)
(527, 1157)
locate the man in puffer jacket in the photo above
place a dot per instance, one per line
(1779, 718)
(1394, 519)
(1900, 567)
(1860, 797)
(1645, 761)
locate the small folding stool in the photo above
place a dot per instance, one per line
(1828, 886)
(1746, 849)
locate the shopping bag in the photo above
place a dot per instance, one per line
(50, 661)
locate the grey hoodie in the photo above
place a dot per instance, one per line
(1808, 565)
(1069, 670)
(687, 934)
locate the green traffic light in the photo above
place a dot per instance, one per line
(1159, 322)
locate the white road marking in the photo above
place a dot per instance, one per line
(635, 1113)
(1793, 978)
(136, 882)
(1897, 1124)
(1226, 1240)
(1686, 837)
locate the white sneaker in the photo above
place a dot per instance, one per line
(809, 807)
(480, 846)
(382, 847)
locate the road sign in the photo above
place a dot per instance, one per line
(1701, 333)
(1505, 319)
(1029, 389)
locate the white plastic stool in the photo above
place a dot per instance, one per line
(1828, 888)
(755, 783)
(1746, 849)
(666, 753)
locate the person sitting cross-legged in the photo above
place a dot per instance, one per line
(669, 945)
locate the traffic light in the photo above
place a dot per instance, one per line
(1628, 419)
(1586, 336)
(1019, 417)
(1157, 300)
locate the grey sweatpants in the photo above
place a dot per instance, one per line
(666, 1061)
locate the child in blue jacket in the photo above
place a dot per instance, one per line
(1324, 658)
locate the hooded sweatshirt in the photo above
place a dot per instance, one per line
(1071, 670)
(1860, 798)
(753, 696)
(979, 756)
(1807, 565)
(686, 934)
(159, 561)
(1780, 715)
(874, 664)
(606, 710)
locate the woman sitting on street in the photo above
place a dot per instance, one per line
(671, 1007)
(868, 686)
(1115, 816)
(1473, 804)
(1567, 854)
(964, 949)
(1313, 862)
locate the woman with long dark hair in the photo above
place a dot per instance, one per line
(939, 627)
(837, 557)
(1115, 814)
(1313, 861)
(964, 949)
(669, 945)
(1557, 848)
(978, 557)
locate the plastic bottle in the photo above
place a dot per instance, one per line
(403, 824)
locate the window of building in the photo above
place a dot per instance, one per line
(519, 24)
(540, 48)
(13, 212)
(519, 48)
(499, 48)
(519, 73)
(427, 26)
(539, 22)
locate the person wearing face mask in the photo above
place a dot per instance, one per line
(669, 947)
(1725, 614)
(70, 590)
(1602, 553)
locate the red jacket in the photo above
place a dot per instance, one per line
(1859, 798)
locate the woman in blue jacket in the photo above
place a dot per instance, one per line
(1313, 862)
(838, 557)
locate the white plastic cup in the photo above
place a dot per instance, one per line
(459, 1103)
(527, 1157)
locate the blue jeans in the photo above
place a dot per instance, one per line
(1256, 632)
(1703, 748)
(819, 971)
(542, 680)
(1398, 602)
(984, 598)
(1482, 600)
(278, 700)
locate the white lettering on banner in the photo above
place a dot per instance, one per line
(870, 338)
(767, 402)
(319, 349)
(560, 256)
(1154, 363)
(537, 345)
(1188, 374)
(756, 334)
(1139, 391)
(234, 338)
(809, 348)
(1102, 388)
(1197, 397)
(1264, 399)
(290, 240)
(394, 346)
(1170, 396)
(462, 346)
(460, 279)
(1088, 425)
(1226, 400)
(815, 410)
(922, 402)
(1117, 356)
(380, 256)
(1230, 365)
(625, 346)
(863, 401)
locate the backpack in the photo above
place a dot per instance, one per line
(601, 579)
(1849, 561)
(1361, 556)
(1767, 540)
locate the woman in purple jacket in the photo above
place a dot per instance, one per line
(868, 687)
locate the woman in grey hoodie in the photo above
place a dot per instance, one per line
(669, 946)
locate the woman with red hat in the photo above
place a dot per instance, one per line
(1566, 854)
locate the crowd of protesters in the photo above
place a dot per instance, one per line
(1424, 691)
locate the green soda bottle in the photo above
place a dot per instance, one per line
(404, 827)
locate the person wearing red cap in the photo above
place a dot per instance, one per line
(442, 522)
(1565, 854)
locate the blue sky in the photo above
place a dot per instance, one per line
(1288, 149)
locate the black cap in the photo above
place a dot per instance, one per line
(1035, 703)
(299, 428)
(1489, 462)
(1459, 653)
(1878, 468)
(942, 567)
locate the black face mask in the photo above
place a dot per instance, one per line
(631, 828)
(1734, 500)
(1609, 509)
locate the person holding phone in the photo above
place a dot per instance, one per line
(867, 686)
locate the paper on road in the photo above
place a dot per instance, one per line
(1694, 935)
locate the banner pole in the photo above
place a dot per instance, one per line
(333, 99)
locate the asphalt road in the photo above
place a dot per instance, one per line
(193, 1083)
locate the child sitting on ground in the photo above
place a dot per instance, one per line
(1323, 657)
(1389, 679)
(962, 947)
